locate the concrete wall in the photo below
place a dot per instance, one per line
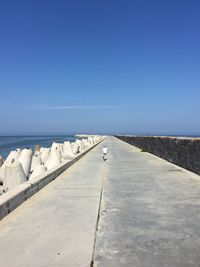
(184, 152)
(13, 198)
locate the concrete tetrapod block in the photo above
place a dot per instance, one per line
(40, 169)
(56, 146)
(78, 142)
(1, 161)
(1, 190)
(83, 144)
(61, 147)
(53, 160)
(37, 148)
(91, 140)
(96, 138)
(67, 150)
(44, 153)
(36, 161)
(13, 155)
(25, 158)
(14, 176)
(22, 192)
(86, 144)
(75, 148)
(58, 153)
(2, 171)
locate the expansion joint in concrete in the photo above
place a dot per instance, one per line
(99, 213)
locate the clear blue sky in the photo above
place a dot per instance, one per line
(100, 66)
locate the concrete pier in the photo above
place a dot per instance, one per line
(56, 227)
(135, 210)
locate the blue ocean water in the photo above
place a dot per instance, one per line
(8, 143)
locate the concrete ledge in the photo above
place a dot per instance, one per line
(182, 151)
(12, 199)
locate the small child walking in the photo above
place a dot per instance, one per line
(105, 151)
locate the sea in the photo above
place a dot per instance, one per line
(8, 143)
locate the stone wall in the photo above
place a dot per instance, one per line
(184, 152)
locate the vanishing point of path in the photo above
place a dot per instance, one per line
(146, 212)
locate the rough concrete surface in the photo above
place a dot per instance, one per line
(56, 227)
(150, 212)
(149, 215)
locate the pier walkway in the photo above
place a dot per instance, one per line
(146, 212)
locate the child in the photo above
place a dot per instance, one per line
(105, 151)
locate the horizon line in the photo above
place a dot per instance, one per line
(45, 107)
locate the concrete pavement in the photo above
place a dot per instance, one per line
(149, 215)
(56, 227)
(150, 212)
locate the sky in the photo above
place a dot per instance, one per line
(109, 66)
